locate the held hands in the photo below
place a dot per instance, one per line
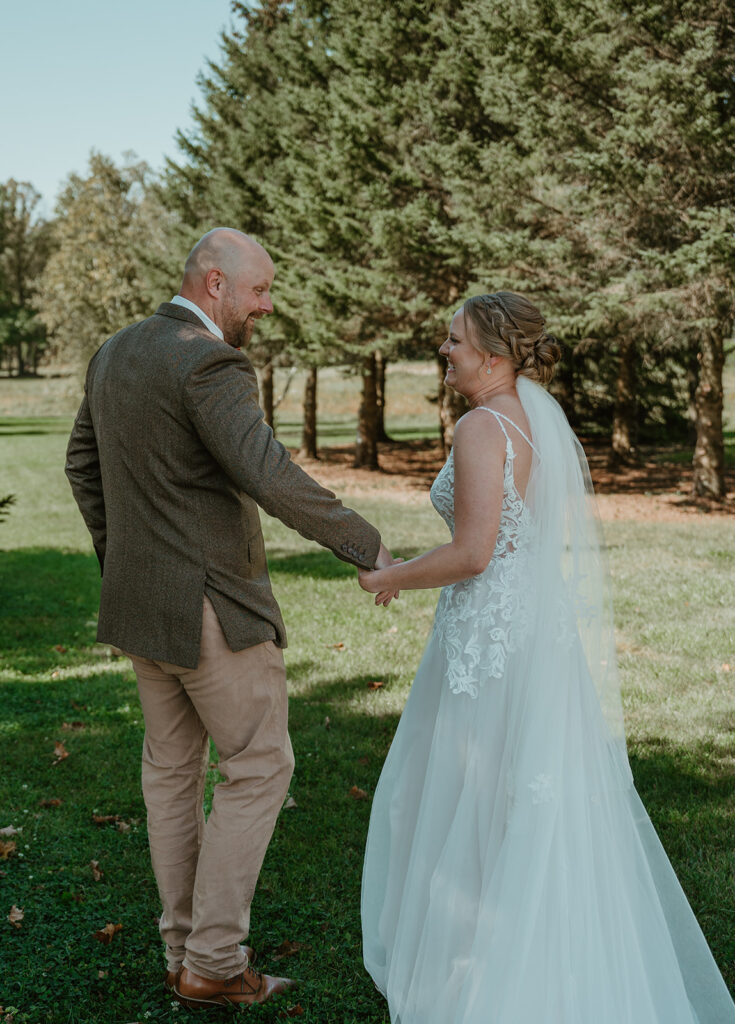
(370, 580)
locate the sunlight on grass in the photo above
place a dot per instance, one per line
(674, 593)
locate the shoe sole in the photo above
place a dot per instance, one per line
(207, 1005)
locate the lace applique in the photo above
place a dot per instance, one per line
(481, 620)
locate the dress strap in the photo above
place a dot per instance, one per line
(499, 416)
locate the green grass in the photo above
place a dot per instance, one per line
(675, 594)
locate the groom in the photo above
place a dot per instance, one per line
(169, 460)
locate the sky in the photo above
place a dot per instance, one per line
(77, 75)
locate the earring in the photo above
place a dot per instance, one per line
(489, 370)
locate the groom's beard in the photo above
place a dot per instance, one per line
(239, 334)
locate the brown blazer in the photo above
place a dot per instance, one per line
(169, 460)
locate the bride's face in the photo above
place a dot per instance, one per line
(465, 363)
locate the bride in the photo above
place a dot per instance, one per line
(512, 875)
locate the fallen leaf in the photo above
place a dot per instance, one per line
(105, 935)
(55, 674)
(96, 873)
(72, 726)
(287, 948)
(9, 831)
(78, 707)
(363, 760)
(327, 722)
(336, 647)
(122, 826)
(60, 648)
(60, 752)
(289, 804)
(375, 685)
(105, 819)
(16, 915)
(358, 794)
(102, 974)
(6, 849)
(293, 1011)
(393, 629)
(725, 667)
(50, 802)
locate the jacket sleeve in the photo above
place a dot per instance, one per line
(221, 396)
(84, 475)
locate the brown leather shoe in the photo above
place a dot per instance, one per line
(169, 979)
(246, 988)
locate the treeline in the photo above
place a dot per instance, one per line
(397, 156)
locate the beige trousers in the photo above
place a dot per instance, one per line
(207, 871)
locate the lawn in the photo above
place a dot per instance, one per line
(674, 591)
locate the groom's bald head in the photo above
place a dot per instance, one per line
(228, 275)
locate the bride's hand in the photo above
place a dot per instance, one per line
(370, 581)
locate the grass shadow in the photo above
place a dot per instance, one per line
(49, 601)
(34, 426)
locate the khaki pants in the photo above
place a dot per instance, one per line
(206, 872)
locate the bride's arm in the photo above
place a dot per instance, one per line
(479, 453)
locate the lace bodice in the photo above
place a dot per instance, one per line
(481, 620)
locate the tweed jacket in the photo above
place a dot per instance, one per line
(168, 460)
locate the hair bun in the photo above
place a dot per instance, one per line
(546, 354)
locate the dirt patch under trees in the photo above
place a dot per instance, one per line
(658, 488)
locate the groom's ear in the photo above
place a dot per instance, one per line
(214, 282)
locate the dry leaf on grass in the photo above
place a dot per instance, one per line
(375, 685)
(293, 1011)
(358, 794)
(327, 722)
(289, 804)
(287, 948)
(96, 873)
(50, 802)
(336, 647)
(6, 849)
(10, 830)
(72, 726)
(60, 752)
(15, 916)
(105, 935)
(106, 819)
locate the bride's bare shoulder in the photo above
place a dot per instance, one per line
(478, 427)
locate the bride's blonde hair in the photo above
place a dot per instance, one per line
(507, 324)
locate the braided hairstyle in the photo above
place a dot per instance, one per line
(506, 324)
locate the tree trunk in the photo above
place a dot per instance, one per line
(366, 442)
(692, 366)
(308, 431)
(381, 363)
(624, 414)
(709, 450)
(451, 407)
(266, 388)
(19, 358)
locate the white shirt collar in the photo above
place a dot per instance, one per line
(179, 300)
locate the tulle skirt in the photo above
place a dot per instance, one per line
(512, 875)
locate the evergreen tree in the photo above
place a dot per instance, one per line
(91, 285)
(24, 249)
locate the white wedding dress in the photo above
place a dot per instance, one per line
(512, 875)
